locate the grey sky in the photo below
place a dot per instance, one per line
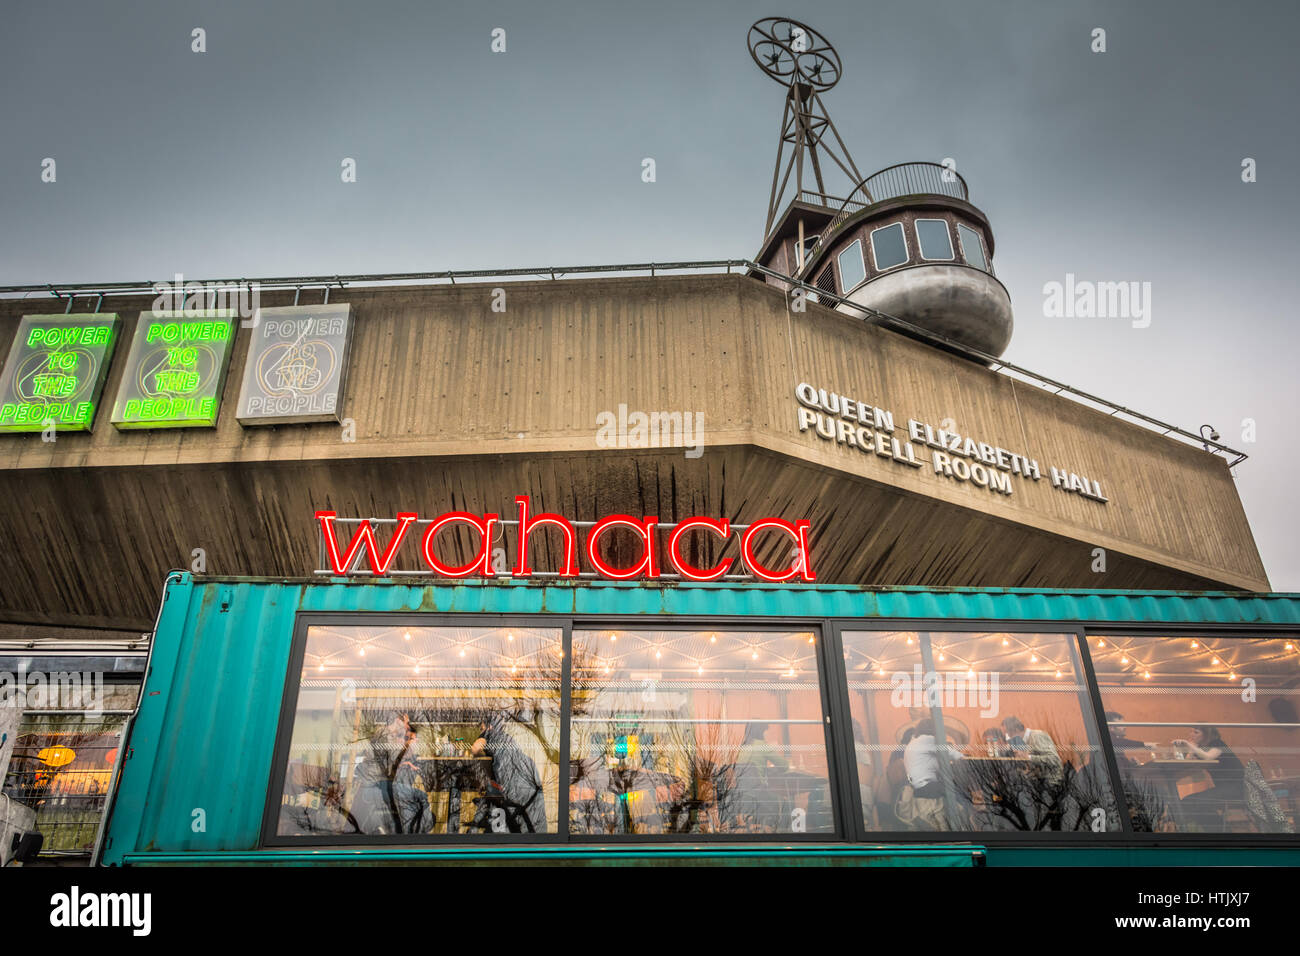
(1116, 166)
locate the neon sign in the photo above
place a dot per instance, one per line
(56, 371)
(175, 370)
(488, 528)
(297, 365)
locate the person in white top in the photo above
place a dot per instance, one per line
(921, 761)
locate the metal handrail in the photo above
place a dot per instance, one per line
(815, 198)
(82, 290)
(901, 179)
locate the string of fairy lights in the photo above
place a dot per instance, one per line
(1115, 658)
(945, 649)
(600, 652)
(512, 650)
(1139, 657)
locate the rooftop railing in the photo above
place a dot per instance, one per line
(97, 291)
(892, 182)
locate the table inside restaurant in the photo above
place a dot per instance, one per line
(454, 775)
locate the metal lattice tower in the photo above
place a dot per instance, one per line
(800, 58)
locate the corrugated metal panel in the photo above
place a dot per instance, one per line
(205, 733)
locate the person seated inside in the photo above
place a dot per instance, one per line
(890, 785)
(515, 802)
(1119, 738)
(921, 805)
(1038, 745)
(754, 804)
(388, 797)
(1227, 776)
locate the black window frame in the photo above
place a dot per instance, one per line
(844, 789)
(567, 624)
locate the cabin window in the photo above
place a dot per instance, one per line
(852, 269)
(1021, 749)
(933, 238)
(697, 732)
(972, 247)
(889, 246)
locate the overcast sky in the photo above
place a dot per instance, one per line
(1123, 165)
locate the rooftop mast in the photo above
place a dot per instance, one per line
(800, 58)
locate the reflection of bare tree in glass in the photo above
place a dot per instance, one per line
(681, 780)
(1148, 808)
(1034, 793)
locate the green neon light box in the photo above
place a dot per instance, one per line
(176, 370)
(55, 372)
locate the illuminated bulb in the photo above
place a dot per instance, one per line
(658, 654)
(909, 640)
(613, 637)
(417, 668)
(1214, 661)
(754, 656)
(1289, 645)
(810, 640)
(1195, 645)
(407, 635)
(462, 652)
(1232, 677)
(1100, 642)
(321, 668)
(970, 672)
(1146, 674)
(510, 637)
(361, 651)
(941, 657)
(1005, 642)
(1058, 672)
(1033, 658)
(879, 669)
(713, 638)
(699, 670)
(512, 668)
(606, 668)
(1124, 659)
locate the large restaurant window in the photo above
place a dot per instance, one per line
(697, 732)
(1205, 730)
(975, 731)
(425, 730)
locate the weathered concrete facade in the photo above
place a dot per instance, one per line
(457, 406)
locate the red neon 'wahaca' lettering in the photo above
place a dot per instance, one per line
(482, 563)
(687, 570)
(801, 565)
(645, 530)
(364, 535)
(526, 525)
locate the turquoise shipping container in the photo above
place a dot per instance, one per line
(195, 772)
